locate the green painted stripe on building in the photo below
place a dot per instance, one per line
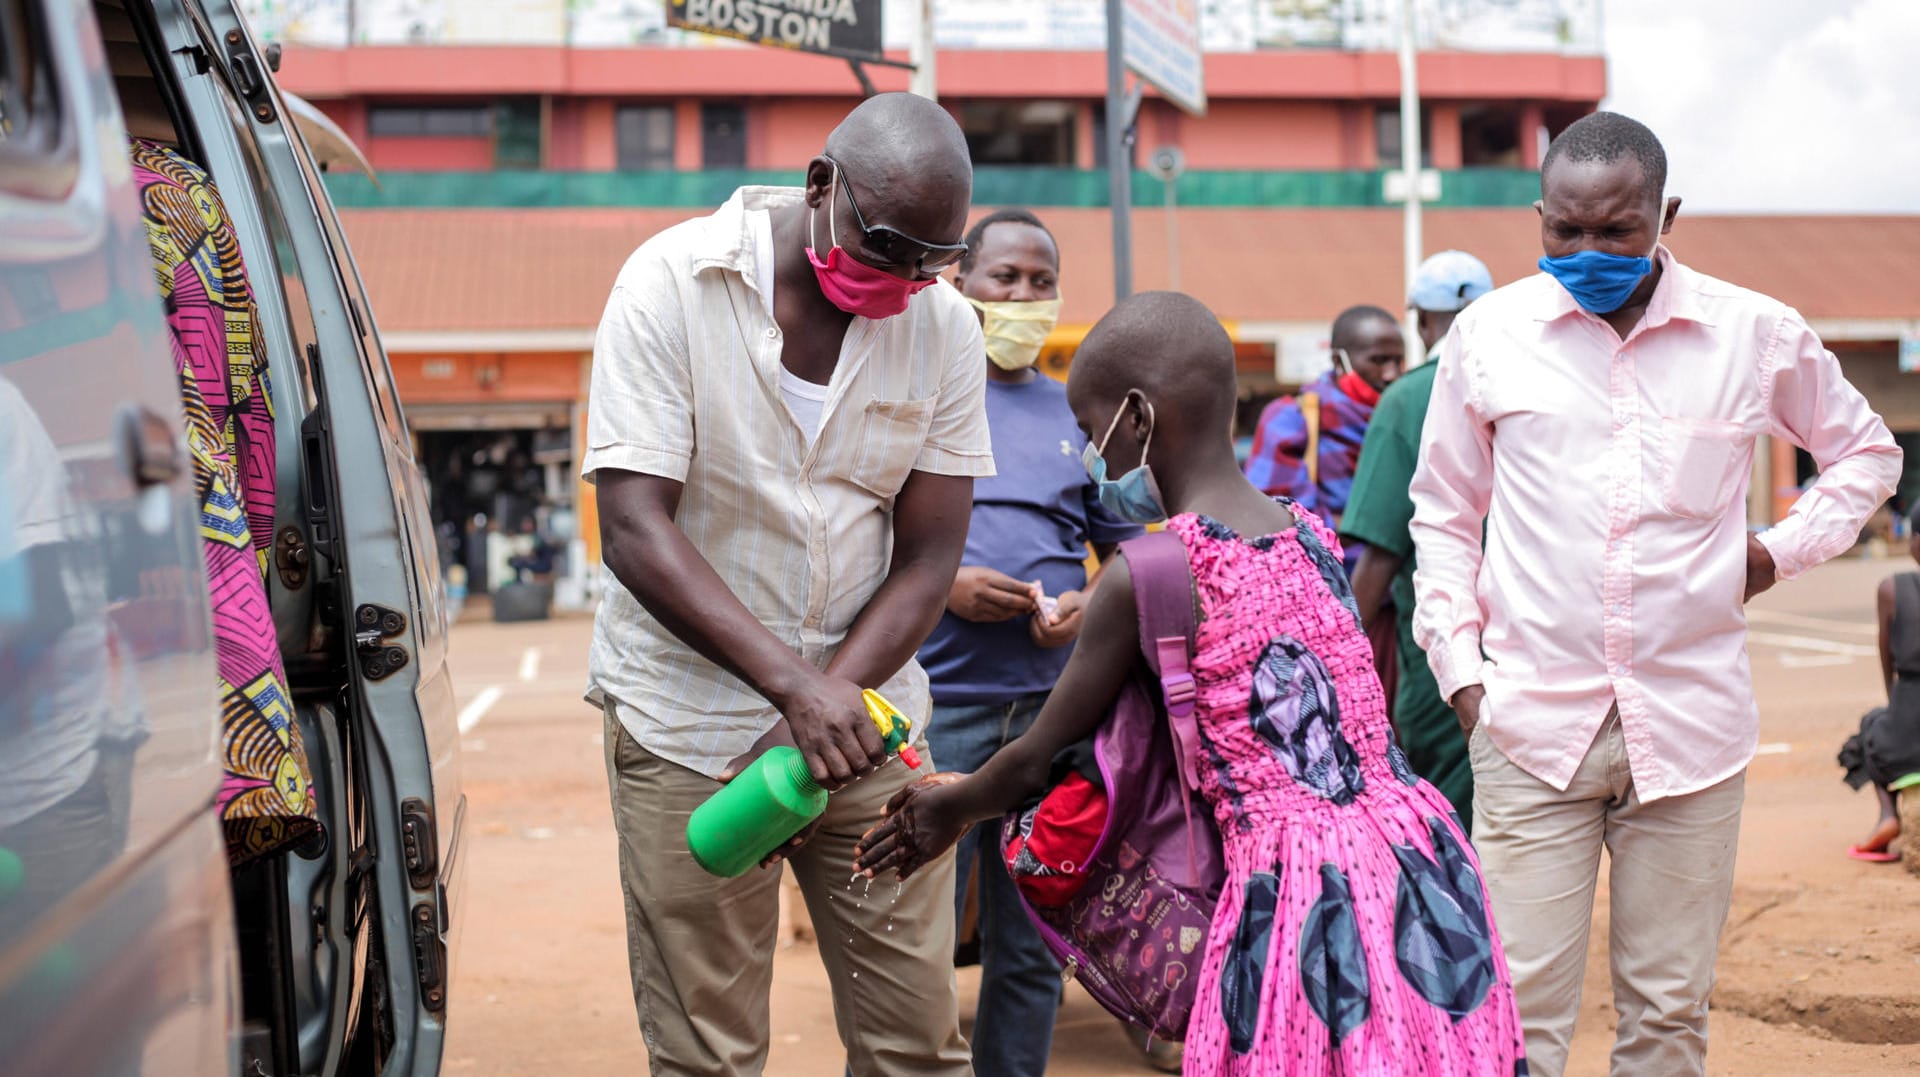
(992, 187)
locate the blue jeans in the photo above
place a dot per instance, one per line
(1020, 982)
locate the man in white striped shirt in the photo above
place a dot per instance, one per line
(786, 420)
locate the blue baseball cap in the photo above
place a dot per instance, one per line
(1448, 281)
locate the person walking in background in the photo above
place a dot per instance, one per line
(1886, 751)
(1379, 518)
(1014, 610)
(1600, 417)
(784, 430)
(1307, 447)
(1352, 934)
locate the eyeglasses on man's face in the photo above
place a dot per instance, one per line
(886, 247)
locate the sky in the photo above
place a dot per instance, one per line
(1783, 106)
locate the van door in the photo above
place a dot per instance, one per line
(370, 544)
(113, 885)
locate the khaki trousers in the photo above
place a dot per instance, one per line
(700, 948)
(1671, 882)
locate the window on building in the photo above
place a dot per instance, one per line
(1490, 137)
(1386, 127)
(429, 121)
(643, 138)
(723, 136)
(1032, 133)
(519, 133)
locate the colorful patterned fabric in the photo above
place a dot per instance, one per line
(266, 800)
(1278, 465)
(1353, 935)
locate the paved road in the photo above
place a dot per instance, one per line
(1819, 971)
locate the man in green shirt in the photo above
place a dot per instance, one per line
(1377, 516)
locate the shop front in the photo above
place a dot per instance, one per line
(496, 434)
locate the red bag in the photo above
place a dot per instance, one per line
(1052, 849)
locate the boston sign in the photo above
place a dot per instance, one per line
(845, 28)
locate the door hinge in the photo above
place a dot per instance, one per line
(373, 628)
(249, 81)
(419, 842)
(429, 958)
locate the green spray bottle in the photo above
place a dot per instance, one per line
(776, 798)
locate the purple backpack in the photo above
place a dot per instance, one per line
(1135, 933)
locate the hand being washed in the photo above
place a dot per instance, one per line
(920, 823)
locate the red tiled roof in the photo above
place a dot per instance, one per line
(481, 270)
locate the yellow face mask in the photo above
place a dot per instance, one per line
(1016, 330)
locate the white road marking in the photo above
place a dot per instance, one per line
(1771, 617)
(1812, 643)
(471, 714)
(1775, 748)
(1796, 660)
(530, 664)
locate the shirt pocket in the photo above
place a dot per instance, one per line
(892, 433)
(1700, 466)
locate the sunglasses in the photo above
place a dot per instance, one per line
(892, 247)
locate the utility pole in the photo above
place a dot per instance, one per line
(1410, 143)
(923, 81)
(1119, 159)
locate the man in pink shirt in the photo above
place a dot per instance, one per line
(1601, 418)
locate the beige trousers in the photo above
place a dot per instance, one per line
(700, 948)
(1671, 882)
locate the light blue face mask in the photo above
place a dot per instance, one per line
(1133, 496)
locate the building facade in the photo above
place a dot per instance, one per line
(524, 147)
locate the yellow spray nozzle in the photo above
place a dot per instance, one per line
(894, 728)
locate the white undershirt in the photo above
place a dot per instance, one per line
(805, 399)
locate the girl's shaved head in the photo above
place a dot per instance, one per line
(1167, 345)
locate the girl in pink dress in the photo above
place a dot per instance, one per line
(1353, 935)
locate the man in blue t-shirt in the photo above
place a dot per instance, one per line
(1014, 609)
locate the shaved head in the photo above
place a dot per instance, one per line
(893, 136)
(905, 161)
(1171, 348)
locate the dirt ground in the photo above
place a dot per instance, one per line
(1819, 967)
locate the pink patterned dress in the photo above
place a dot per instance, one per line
(1353, 935)
(266, 800)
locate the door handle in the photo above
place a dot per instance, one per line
(148, 446)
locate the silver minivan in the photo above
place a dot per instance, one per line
(127, 945)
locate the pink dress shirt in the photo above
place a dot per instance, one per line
(1612, 475)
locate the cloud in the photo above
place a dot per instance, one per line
(1790, 107)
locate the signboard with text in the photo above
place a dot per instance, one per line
(844, 28)
(1163, 47)
(1548, 26)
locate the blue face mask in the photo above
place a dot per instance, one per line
(1133, 496)
(1597, 280)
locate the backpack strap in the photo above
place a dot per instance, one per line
(1163, 599)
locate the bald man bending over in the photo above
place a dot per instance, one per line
(786, 420)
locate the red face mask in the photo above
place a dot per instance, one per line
(1359, 388)
(853, 285)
